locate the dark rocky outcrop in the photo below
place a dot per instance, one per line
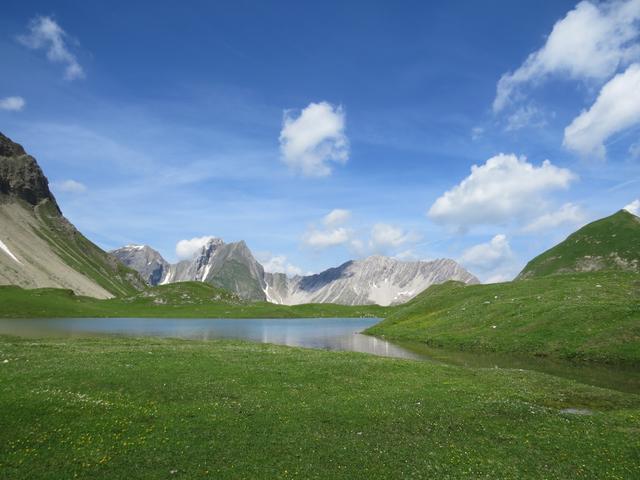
(21, 176)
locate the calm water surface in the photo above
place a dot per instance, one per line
(324, 333)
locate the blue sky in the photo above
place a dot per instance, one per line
(253, 120)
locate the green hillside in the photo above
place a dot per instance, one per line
(611, 243)
(83, 255)
(590, 316)
(44, 248)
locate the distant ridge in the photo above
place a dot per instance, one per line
(373, 280)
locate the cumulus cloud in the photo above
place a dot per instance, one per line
(386, 236)
(616, 108)
(568, 214)
(634, 207)
(69, 186)
(337, 216)
(186, 249)
(44, 33)
(332, 233)
(591, 42)
(313, 140)
(505, 188)
(279, 264)
(12, 104)
(492, 260)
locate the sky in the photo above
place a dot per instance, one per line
(320, 132)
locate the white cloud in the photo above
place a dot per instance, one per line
(385, 236)
(320, 239)
(505, 188)
(569, 213)
(45, 34)
(616, 108)
(332, 233)
(634, 150)
(12, 104)
(336, 217)
(69, 186)
(634, 207)
(314, 139)
(186, 249)
(591, 42)
(493, 260)
(279, 264)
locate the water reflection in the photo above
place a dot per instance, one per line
(323, 333)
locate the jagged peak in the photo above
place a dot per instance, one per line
(20, 175)
(9, 148)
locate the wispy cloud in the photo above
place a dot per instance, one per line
(12, 104)
(493, 260)
(44, 33)
(616, 108)
(278, 264)
(590, 42)
(69, 186)
(384, 236)
(568, 214)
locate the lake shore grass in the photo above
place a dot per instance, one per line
(113, 407)
(586, 317)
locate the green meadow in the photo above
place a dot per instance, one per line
(154, 408)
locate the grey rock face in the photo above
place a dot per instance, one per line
(231, 266)
(376, 279)
(145, 260)
(21, 176)
(227, 265)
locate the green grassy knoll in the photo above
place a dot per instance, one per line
(112, 408)
(586, 316)
(611, 243)
(177, 300)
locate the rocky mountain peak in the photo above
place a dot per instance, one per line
(21, 176)
(9, 148)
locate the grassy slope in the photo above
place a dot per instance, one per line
(125, 408)
(611, 243)
(594, 316)
(187, 299)
(83, 255)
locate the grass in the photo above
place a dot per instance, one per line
(178, 300)
(155, 408)
(586, 316)
(82, 255)
(611, 243)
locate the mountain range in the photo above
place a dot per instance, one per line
(39, 247)
(376, 279)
